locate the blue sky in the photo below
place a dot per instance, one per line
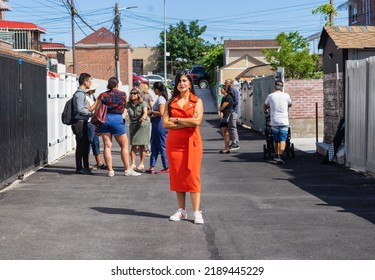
(233, 19)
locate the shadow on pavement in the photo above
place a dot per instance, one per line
(335, 185)
(131, 212)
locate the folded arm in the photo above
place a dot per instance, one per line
(177, 123)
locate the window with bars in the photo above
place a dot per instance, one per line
(354, 14)
(21, 39)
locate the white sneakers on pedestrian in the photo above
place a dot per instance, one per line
(198, 218)
(278, 159)
(234, 147)
(131, 172)
(180, 214)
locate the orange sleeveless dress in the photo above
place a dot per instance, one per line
(184, 151)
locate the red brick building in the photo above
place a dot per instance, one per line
(361, 12)
(95, 54)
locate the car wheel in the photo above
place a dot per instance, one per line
(203, 84)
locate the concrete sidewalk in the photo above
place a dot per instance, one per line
(253, 209)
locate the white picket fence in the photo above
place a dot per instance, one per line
(60, 137)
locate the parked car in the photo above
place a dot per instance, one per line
(154, 78)
(171, 84)
(139, 78)
(200, 76)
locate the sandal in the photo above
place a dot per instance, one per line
(224, 152)
(102, 166)
(93, 167)
(141, 167)
(163, 171)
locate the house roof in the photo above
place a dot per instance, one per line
(250, 58)
(17, 25)
(47, 46)
(101, 36)
(349, 37)
(250, 44)
(247, 73)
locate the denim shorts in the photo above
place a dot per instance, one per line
(114, 124)
(280, 133)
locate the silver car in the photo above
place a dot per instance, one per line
(154, 78)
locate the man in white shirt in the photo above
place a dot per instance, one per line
(278, 103)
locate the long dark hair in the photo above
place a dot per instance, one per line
(112, 83)
(161, 88)
(176, 92)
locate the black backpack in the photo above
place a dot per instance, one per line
(68, 114)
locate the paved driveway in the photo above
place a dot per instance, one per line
(253, 209)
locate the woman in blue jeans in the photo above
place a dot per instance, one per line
(158, 132)
(93, 137)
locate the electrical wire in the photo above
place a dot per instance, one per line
(56, 15)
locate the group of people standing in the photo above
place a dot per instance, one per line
(277, 102)
(228, 110)
(174, 134)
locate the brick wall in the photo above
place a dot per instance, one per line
(4, 45)
(100, 63)
(7, 49)
(305, 94)
(302, 115)
(331, 114)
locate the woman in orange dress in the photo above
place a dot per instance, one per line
(184, 145)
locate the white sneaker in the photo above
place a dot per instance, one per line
(111, 173)
(131, 172)
(180, 214)
(278, 160)
(198, 218)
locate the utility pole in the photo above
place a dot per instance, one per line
(117, 25)
(331, 13)
(73, 12)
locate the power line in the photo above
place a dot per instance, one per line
(246, 23)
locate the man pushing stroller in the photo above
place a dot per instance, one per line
(278, 103)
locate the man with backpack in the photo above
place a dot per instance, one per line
(79, 128)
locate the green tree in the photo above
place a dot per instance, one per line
(294, 55)
(213, 58)
(326, 10)
(184, 44)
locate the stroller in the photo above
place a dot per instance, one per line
(268, 148)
